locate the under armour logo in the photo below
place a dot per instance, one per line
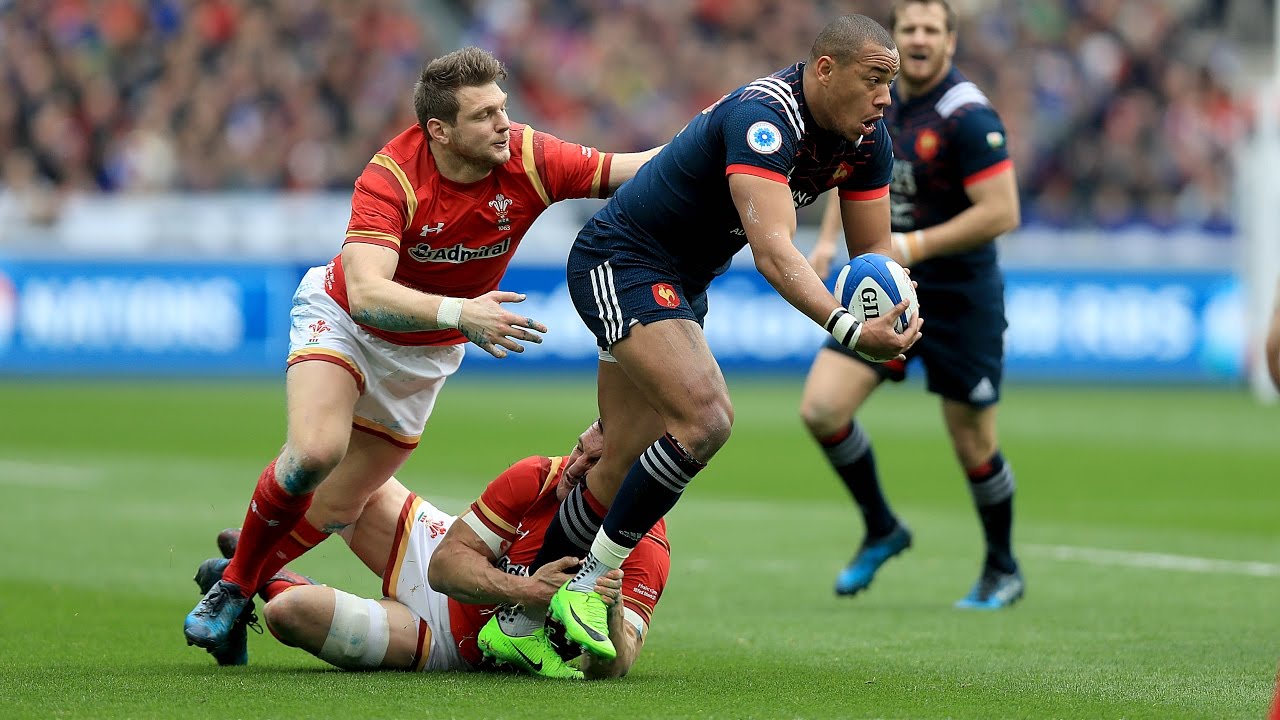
(427, 229)
(253, 505)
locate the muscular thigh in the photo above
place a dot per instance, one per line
(630, 425)
(671, 366)
(373, 535)
(370, 460)
(320, 397)
(397, 385)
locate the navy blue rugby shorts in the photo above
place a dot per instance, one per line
(615, 283)
(962, 349)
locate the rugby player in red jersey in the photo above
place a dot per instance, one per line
(435, 218)
(442, 579)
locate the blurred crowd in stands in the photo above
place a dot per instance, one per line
(1119, 111)
(193, 95)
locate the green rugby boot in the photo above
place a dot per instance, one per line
(586, 620)
(531, 653)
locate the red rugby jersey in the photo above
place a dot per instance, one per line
(519, 505)
(456, 239)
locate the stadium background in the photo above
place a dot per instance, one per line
(169, 168)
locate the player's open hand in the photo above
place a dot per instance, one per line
(495, 329)
(609, 585)
(882, 342)
(548, 579)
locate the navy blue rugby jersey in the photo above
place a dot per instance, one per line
(678, 205)
(943, 141)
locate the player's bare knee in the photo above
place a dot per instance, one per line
(293, 614)
(821, 417)
(306, 463)
(708, 428)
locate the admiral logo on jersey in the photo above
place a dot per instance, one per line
(422, 252)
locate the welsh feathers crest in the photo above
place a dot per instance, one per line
(500, 203)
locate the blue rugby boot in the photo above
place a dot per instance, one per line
(235, 651)
(209, 625)
(862, 569)
(994, 590)
(210, 572)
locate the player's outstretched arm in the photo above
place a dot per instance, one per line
(465, 568)
(769, 219)
(378, 301)
(626, 165)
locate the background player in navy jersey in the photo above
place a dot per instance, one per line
(639, 270)
(953, 193)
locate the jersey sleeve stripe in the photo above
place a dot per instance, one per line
(600, 181)
(530, 165)
(386, 238)
(410, 197)
(859, 195)
(661, 543)
(793, 107)
(989, 172)
(553, 474)
(644, 609)
(497, 520)
(491, 539)
(962, 94)
(742, 169)
(788, 104)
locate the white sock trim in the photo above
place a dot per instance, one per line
(607, 552)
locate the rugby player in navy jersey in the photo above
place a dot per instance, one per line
(953, 194)
(639, 270)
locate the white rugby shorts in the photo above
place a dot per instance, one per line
(422, 528)
(398, 383)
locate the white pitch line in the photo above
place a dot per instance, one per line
(1157, 561)
(47, 475)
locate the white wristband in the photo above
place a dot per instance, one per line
(908, 245)
(449, 313)
(844, 327)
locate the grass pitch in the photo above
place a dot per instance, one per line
(1146, 525)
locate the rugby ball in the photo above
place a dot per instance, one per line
(871, 284)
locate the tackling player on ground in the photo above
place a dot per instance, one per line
(639, 271)
(442, 579)
(953, 194)
(435, 218)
